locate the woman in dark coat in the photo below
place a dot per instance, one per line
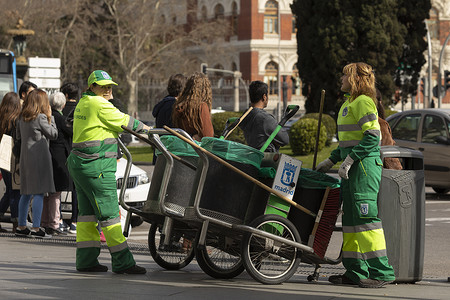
(36, 128)
(72, 93)
(59, 150)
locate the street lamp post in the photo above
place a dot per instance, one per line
(430, 68)
(237, 78)
(440, 72)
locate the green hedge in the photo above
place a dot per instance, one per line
(302, 136)
(219, 120)
(388, 112)
(328, 121)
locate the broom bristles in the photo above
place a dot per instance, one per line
(325, 229)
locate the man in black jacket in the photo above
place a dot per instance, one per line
(259, 124)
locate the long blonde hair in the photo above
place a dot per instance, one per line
(362, 80)
(188, 105)
(36, 103)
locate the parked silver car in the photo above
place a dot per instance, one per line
(426, 130)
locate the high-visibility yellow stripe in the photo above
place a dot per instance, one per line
(366, 241)
(87, 231)
(113, 235)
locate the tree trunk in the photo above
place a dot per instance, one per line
(132, 101)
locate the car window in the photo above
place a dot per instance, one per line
(433, 126)
(391, 121)
(448, 127)
(407, 128)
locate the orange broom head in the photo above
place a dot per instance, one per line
(327, 223)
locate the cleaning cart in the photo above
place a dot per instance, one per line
(235, 226)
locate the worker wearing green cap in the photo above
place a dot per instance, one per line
(92, 164)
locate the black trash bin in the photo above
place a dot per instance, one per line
(401, 207)
(226, 194)
(181, 181)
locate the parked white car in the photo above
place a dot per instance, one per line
(135, 194)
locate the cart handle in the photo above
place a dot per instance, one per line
(189, 165)
(291, 110)
(245, 175)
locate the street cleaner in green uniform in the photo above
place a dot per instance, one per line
(364, 246)
(92, 165)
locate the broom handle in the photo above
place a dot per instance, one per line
(245, 175)
(239, 122)
(319, 213)
(316, 149)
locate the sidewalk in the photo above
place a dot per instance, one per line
(45, 269)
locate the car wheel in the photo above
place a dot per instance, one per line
(441, 190)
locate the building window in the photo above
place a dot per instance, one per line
(271, 17)
(174, 20)
(234, 19)
(271, 77)
(204, 14)
(296, 82)
(233, 66)
(218, 12)
(294, 25)
(433, 24)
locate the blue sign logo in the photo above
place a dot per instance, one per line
(364, 209)
(105, 75)
(345, 111)
(288, 173)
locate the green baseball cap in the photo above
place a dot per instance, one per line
(100, 77)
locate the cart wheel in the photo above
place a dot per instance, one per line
(220, 257)
(266, 260)
(178, 254)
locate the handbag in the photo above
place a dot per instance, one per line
(6, 145)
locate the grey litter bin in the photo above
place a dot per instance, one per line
(401, 207)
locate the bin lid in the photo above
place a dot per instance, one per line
(177, 146)
(233, 151)
(311, 179)
(397, 151)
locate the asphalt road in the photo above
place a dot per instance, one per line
(437, 238)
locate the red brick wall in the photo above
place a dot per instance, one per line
(444, 30)
(249, 65)
(286, 27)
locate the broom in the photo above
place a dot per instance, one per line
(235, 123)
(325, 222)
(329, 208)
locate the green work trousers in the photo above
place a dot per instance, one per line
(364, 245)
(97, 200)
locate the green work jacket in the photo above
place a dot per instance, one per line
(96, 126)
(358, 130)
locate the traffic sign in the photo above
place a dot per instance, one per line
(45, 72)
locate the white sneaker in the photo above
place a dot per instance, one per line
(73, 228)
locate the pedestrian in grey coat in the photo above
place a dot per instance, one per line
(36, 127)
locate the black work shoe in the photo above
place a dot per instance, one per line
(97, 268)
(372, 283)
(132, 270)
(23, 232)
(341, 279)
